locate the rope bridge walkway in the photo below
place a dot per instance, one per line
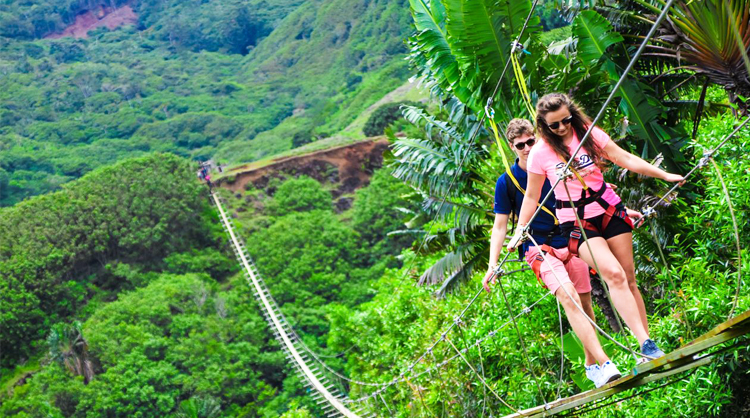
(681, 360)
(314, 379)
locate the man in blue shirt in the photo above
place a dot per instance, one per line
(559, 269)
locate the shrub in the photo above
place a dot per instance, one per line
(383, 116)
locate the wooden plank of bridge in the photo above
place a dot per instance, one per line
(723, 332)
(680, 360)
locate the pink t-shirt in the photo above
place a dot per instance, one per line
(543, 160)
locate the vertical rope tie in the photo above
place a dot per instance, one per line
(736, 237)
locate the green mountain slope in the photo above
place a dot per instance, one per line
(334, 58)
(179, 82)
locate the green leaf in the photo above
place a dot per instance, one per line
(595, 35)
(480, 32)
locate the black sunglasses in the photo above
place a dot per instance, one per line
(521, 145)
(556, 125)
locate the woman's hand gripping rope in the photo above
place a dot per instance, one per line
(636, 217)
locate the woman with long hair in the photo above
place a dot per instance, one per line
(586, 206)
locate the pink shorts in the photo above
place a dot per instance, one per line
(575, 271)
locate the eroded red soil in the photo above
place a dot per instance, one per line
(101, 16)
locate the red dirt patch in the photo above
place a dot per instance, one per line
(349, 166)
(101, 16)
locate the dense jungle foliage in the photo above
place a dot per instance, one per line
(232, 80)
(134, 252)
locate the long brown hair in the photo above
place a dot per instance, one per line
(580, 124)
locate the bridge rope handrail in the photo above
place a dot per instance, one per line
(276, 320)
(403, 377)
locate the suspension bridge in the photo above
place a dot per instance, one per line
(315, 372)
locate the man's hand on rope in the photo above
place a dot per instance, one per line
(489, 277)
(517, 238)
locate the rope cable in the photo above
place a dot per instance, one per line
(477, 343)
(520, 338)
(484, 382)
(562, 350)
(649, 211)
(485, 405)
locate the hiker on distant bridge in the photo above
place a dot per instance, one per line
(204, 174)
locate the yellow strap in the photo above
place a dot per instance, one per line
(578, 176)
(521, 81)
(510, 175)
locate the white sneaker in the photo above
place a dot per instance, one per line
(593, 373)
(608, 373)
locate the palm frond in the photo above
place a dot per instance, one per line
(430, 51)
(462, 216)
(462, 274)
(426, 166)
(455, 264)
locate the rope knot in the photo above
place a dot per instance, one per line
(526, 310)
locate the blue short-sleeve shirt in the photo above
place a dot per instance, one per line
(504, 206)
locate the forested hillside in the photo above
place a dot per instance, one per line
(119, 297)
(199, 79)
